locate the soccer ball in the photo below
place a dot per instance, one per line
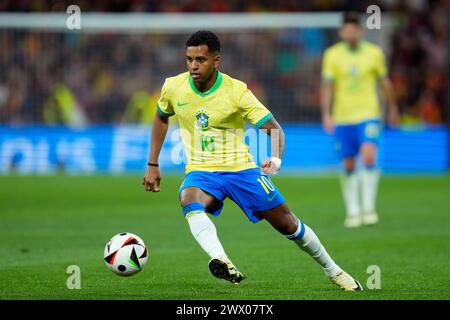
(125, 254)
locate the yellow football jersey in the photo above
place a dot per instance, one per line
(354, 74)
(212, 123)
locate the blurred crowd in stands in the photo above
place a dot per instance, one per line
(218, 6)
(86, 78)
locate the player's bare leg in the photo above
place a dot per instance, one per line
(285, 222)
(350, 192)
(369, 183)
(195, 203)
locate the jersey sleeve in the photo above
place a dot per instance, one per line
(380, 65)
(328, 69)
(164, 106)
(253, 110)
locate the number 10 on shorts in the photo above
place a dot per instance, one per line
(266, 184)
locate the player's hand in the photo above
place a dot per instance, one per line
(271, 166)
(328, 124)
(152, 179)
(393, 117)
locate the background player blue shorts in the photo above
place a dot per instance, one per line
(351, 137)
(250, 189)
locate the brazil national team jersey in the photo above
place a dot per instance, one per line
(212, 122)
(354, 74)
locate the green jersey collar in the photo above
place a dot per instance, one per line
(357, 49)
(213, 88)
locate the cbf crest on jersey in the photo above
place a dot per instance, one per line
(354, 70)
(202, 119)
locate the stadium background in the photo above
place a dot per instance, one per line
(75, 116)
(81, 101)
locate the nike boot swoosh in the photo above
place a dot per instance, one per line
(182, 104)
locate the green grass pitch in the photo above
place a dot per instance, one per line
(49, 223)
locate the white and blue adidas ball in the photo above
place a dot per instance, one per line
(125, 254)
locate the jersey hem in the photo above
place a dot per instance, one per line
(344, 123)
(216, 169)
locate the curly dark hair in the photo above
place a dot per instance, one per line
(204, 37)
(351, 17)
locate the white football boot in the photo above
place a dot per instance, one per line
(353, 221)
(225, 269)
(369, 218)
(346, 282)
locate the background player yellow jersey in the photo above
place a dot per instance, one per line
(354, 74)
(212, 123)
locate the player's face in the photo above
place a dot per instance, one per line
(350, 33)
(201, 63)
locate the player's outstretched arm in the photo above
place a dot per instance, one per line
(326, 96)
(277, 141)
(152, 178)
(388, 91)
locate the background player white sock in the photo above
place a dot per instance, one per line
(369, 187)
(307, 240)
(349, 185)
(205, 233)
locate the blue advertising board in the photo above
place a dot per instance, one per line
(124, 149)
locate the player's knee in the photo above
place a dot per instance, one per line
(368, 154)
(288, 225)
(290, 228)
(369, 159)
(190, 203)
(187, 197)
(349, 165)
(184, 201)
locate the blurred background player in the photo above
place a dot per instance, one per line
(211, 106)
(351, 70)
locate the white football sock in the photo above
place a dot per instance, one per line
(349, 184)
(307, 240)
(205, 233)
(369, 186)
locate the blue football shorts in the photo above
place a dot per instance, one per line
(250, 189)
(349, 138)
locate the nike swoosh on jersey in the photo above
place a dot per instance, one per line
(271, 198)
(182, 104)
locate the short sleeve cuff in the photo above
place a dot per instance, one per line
(162, 113)
(263, 120)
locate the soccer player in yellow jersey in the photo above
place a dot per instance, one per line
(351, 70)
(211, 108)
